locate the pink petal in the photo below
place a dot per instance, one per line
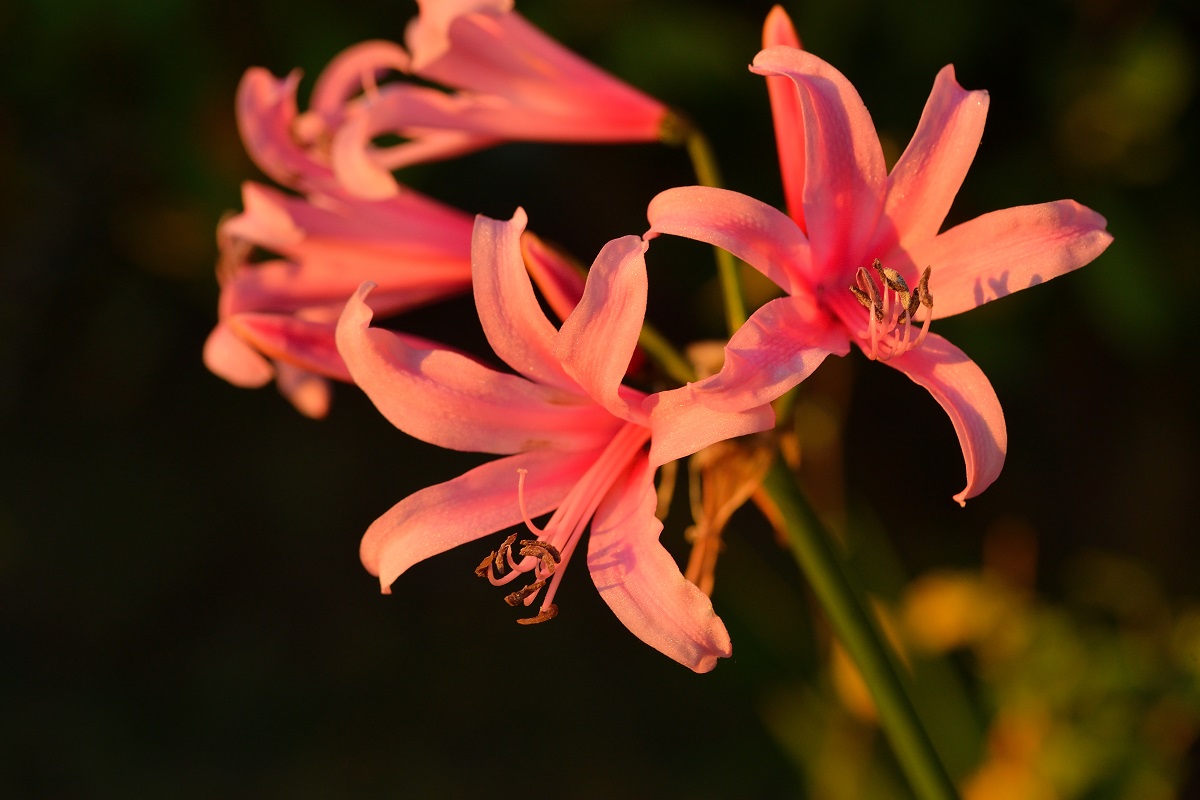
(641, 582)
(266, 109)
(960, 386)
(598, 339)
(1005, 251)
(476, 503)
(416, 113)
(523, 84)
(445, 398)
(929, 173)
(785, 112)
(780, 345)
(229, 357)
(289, 339)
(680, 426)
(514, 322)
(308, 392)
(353, 70)
(753, 231)
(557, 276)
(845, 176)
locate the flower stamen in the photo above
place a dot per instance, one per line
(893, 308)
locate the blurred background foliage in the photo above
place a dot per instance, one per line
(182, 611)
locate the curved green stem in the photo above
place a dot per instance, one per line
(857, 631)
(704, 163)
(660, 351)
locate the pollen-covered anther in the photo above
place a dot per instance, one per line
(546, 614)
(543, 551)
(525, 591)
(893, 308)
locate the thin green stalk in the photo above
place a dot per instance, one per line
(660, 351)
(856, 630)
(705, 164)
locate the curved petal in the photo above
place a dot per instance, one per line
(228, 356)
(845, 176)
(291, 340)
(355, 69)
(679, 426)
(598, 339)
(780, 345)
(762, 236)
(445, 398)
(642, 583)
(960, 386)
(476, 503)
(1005, 251)
(308, 392)
(266, 109)
(929, 173)
(559, 278)
(785, 113)
(512, 319)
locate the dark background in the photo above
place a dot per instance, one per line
(182, 610)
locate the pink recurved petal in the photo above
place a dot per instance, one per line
(1005, 251)
(428, 36)
(845, 175)
(780, 345)
(557, 276)
(266, 109)
(514, 323)
(928, 175)
(448, 399)
(353, 70)
(760, 235)
(641, 582)
(785, 112)
(308, 392)
(302, 343)
(228, 356)
(680, 426)
(960, 386)
(598, 339)
(472, 505)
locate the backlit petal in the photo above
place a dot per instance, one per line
(300, 342)
(845, 176)
(928, 175)
(514, 322)
(680, 426)
(1005, 251)
(780, 345)
(310, 393)
(762, 236)
(228, 356)
(960, 386)
(641, 582)
(445, 398)
(785, 113)
(598, 339)
(481, 501)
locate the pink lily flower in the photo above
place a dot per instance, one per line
(572, 441)
(510, 82)
(861, 258)
(277, 318)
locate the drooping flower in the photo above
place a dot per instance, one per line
(509, 82)
(861, 257)
(573, 441)
(277, 317)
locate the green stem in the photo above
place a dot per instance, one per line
(856, 629)
(704, 162)
(660, 351)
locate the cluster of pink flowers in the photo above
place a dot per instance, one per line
(859, 257)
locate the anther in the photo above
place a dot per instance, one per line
(547, 613)
(523, 592)
(923, 289)
(893, 307)
(546, 552)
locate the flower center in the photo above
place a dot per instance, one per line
(892, 310)
(545, 556)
